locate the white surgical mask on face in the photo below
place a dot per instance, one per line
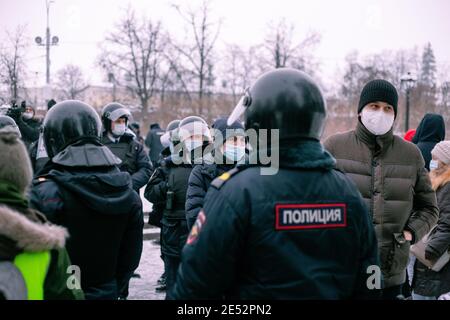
(27, 115)
(119, 129)
(377, 122)
(433, 165)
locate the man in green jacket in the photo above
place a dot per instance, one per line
(390, 174)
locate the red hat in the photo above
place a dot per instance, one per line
(409, 135)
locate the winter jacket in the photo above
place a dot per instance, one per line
(102, 213)
(199, 181)
(303, 233)
(29, 130)
(167, 187)
(427, 282)
(391, 176)
(431, 130)
(153, 142)
(26, 232)
(134, 159)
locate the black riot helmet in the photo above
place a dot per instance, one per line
(113, 111)
(284, 99)
(70, 122)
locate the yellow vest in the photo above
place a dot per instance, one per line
(34, 267)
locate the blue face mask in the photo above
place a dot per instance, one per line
(433, 165)
(234, 153)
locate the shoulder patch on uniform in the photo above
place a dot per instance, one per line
(193, 235)
(219, 181)
(310, 216)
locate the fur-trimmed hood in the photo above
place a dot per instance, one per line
(28, 235)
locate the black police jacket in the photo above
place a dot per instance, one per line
(104, 218)
(167, 187)
(199, 181)
(134, 159)
(303, 233)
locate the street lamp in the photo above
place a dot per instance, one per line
(49, 41)
(407, 81)
(112, 80)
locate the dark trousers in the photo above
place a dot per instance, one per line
(171, 268)
(392, 293)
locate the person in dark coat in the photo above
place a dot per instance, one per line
(168, 186)
(136, 129)
(153, 142)
(428, 284)
(258, 235)
(229, 150)
(82, 189)
(430, 131)
(29, 126)
(391, 177)
(168, 140)
(124, 145)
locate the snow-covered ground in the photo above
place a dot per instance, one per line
(150, 269)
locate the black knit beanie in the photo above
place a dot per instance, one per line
(378, 90)
(222, 127)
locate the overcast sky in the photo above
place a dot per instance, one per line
(345, 25)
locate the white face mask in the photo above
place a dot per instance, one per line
(27, 115)
(192, 144)
(434, 165)
(119, 130)
(377, 122)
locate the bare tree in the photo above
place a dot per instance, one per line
(71, 82)
(239, 70)
(197, 56)
(281, 50)
(12, 61)
(133, 52)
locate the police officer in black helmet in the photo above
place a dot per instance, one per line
(83, 190)
(302, 233)
(121, 142)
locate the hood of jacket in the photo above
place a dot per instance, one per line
(18, 233)
(104, 190)
(86, 155)
(430, 129)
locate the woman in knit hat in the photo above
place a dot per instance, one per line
(31, 249)
(428, 284)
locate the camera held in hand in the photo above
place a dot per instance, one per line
(16, 111)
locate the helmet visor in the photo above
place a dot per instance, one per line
(238, 111)
(118, 113)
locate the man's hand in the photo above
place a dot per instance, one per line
(408, 235)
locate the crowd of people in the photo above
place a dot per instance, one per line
(333, 213)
